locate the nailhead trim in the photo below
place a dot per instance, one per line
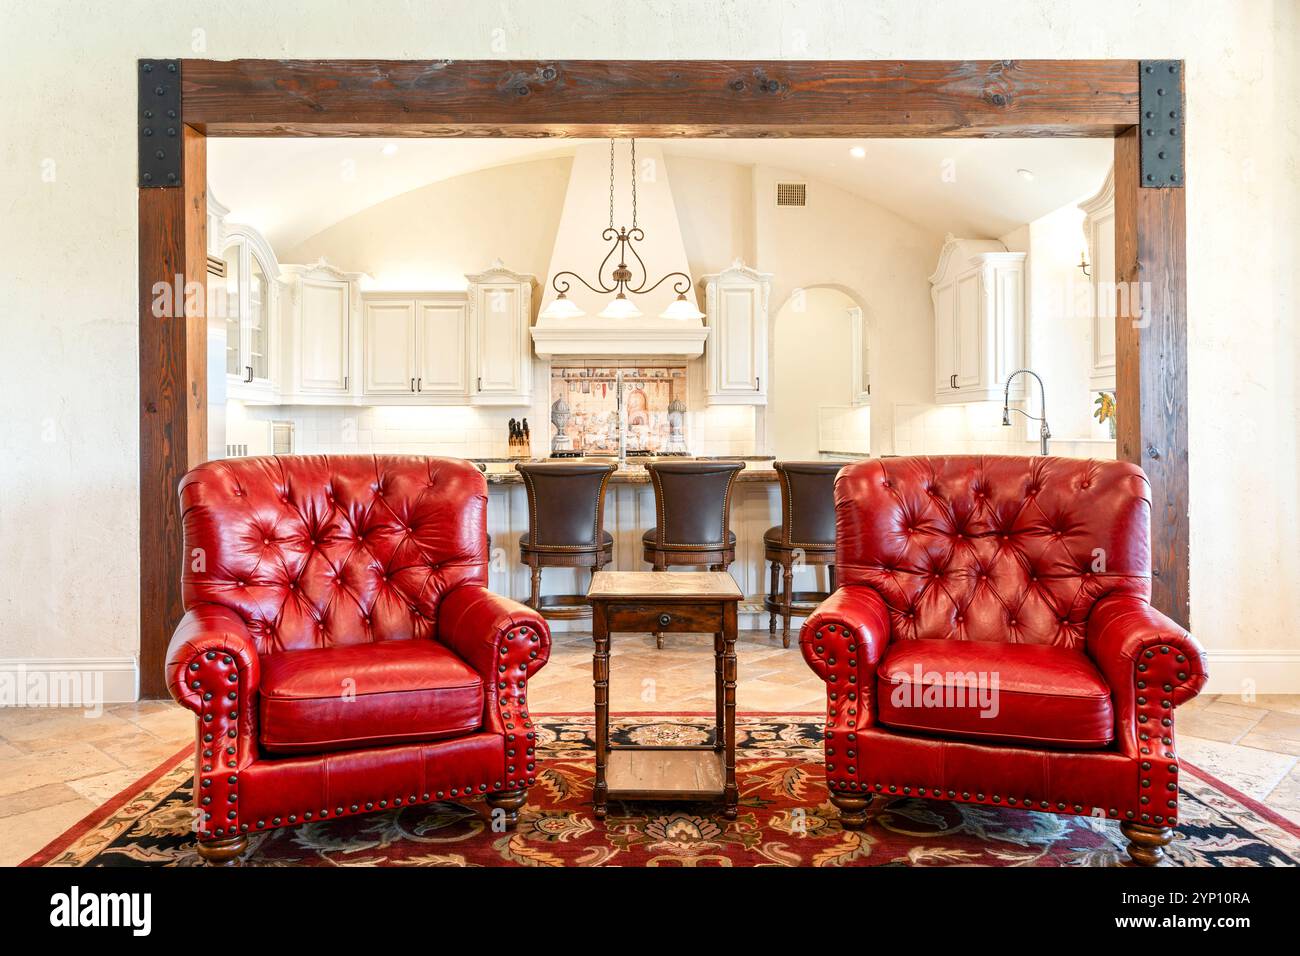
(517, 657)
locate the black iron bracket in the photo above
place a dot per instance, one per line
(1160, 99)
(158, 122)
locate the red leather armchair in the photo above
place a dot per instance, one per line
(992, 641)
(340, 646)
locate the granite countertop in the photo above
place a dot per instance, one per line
(502, 472)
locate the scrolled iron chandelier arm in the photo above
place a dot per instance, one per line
(681, 286)
(622, 241)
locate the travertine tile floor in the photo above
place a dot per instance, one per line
(58, 765)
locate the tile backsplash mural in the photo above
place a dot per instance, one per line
(584, 409)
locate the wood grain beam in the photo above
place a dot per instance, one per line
(173, 391)
(1151, 363)
(661, 97)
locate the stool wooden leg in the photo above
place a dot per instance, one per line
(535, 596)
(771, 593)
(831, 570)
(788, 600)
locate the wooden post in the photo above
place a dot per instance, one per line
(1151, 362)
(173, 391)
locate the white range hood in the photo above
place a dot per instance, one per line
(579, 248)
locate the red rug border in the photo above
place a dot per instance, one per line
(100, 813)
(1269, 814)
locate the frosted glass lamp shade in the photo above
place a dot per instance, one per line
(620, 307)
(680, 308)
(562, 307)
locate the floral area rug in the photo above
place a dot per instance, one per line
(785, 819)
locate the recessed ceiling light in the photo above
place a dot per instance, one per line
(1026, 174)
(857, 152)
(390, 149)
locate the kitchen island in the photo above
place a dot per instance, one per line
(629, 513)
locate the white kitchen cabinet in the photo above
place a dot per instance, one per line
(978, 292)
(320, 350)
(251, 305)
(501, 353)
(736, 312)
(442, 322)
(414, 348)
(1099, 230)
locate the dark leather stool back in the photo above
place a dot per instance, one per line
(693, 503)
(806, 534)
(808, 503)
(566, 504)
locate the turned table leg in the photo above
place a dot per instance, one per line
(1146, 844)
(600, 680)
(223, 852)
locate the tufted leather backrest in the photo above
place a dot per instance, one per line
(995, 548)
(693, 502)
(566, 502)
(322, 550)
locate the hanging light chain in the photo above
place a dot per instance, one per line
(634, 183)
(611, 184)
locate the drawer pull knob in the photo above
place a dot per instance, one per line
(665, 620)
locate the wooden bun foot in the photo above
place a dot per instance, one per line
(223, 852)
(853, 810)
(1146, 844)
(508, 802)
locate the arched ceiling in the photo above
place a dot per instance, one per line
(290, 189)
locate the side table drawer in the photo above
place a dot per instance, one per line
(670, 618)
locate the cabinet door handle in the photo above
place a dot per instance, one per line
(480, 384)
(345, 383)
(412, 384)
(758, 384)
(249, 370)
(419, 384)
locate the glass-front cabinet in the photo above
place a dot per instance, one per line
(251, 303)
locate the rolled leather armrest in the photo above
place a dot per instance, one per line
(846, 637)
(1132, 642)
(213, 669)
(487, 631)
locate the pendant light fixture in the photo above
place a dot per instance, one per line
(622, 241)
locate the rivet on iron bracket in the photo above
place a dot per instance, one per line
(1161, 123)
(158, 98)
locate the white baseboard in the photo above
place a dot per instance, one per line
(1253, 672)
(68, 681)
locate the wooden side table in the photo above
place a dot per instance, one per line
(674, 602)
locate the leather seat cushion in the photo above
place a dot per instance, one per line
(363, 695)
(649, 539)
(772, 538)
(606, 542)
(1008, 693)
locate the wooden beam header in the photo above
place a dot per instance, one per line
(579, 98)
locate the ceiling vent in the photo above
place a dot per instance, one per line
(792, 194)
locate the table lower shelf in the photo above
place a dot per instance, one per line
(665, 774)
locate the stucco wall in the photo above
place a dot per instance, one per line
(68, 474)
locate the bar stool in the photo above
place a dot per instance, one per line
(566, 529)
(806, 532)
(693, 509)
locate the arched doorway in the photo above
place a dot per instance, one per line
(821, 374)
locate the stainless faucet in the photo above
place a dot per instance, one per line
(1044, 432)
